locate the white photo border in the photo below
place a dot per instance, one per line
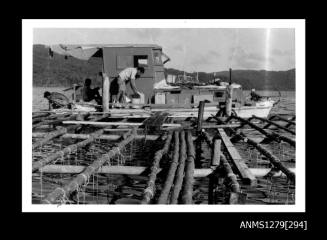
(28, 27)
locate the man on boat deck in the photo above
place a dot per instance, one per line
(125, 76)
(254, 95)
(90, 94)
(57, 100)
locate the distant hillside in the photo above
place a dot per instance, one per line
(258, 79)
(59, 71)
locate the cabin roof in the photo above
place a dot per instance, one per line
(85, 46)
(85, 52)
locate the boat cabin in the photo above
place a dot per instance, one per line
(210, 93)
(154, 84)
(117, 57)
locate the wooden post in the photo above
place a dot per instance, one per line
(74, 93)
(215, 160)
(229, 100)
(105, 92)
(213, 178)
(229, 95)
(200, 116)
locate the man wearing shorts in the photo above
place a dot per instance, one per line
(125, 76)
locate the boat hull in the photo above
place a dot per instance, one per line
(261, 109)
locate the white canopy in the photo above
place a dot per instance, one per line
(80, 52)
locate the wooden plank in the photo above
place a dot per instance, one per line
(137, 170)
(207, 126)
(225, 138)
(116, 123)
(246, 175)
(105, 137)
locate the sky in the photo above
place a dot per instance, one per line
(193, 49)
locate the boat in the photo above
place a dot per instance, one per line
(181, 97)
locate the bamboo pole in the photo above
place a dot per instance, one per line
(180, 170)
(207, 126)
(290, 123)
(292, 142)
(150, 189)
(280, 118)
(272, 158)
(137, 170)
(189, 171)
(163, 198)
(40, 115)
(273, 136)
(83, 177)
(37, 119)
(275, 124)
(259, 129)
(52, 122)
(107, 137)
(117, 123)
(50, 136)
(67, 150)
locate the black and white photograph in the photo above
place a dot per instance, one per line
(163, 115)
